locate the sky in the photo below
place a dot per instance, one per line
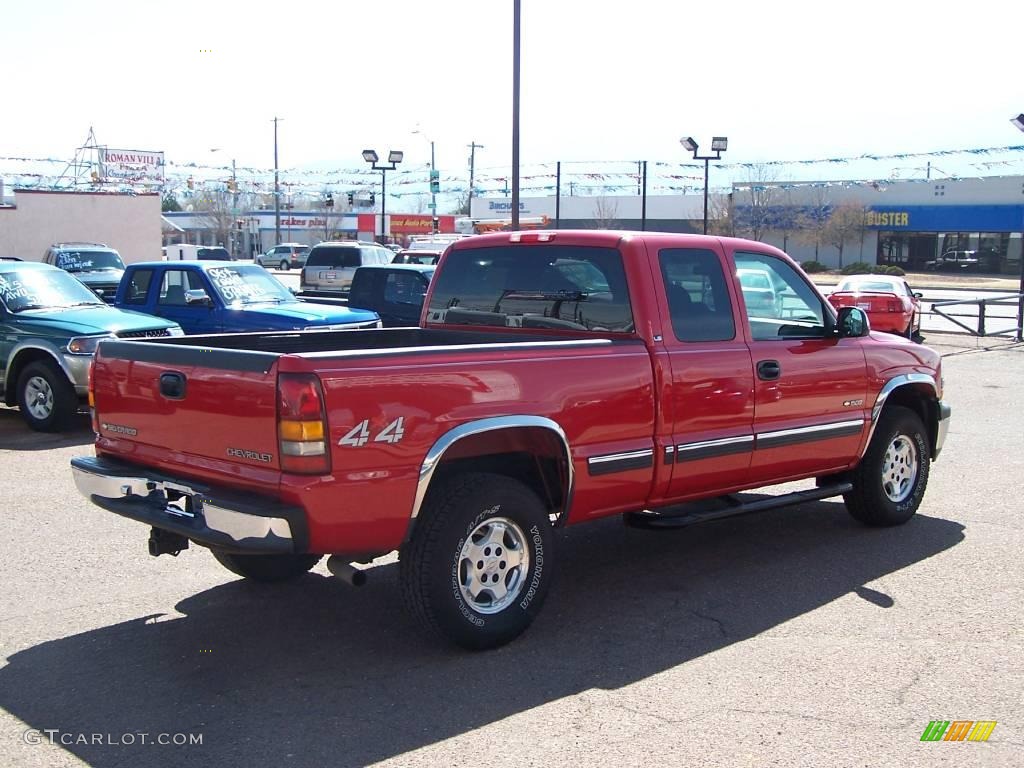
(603, 85)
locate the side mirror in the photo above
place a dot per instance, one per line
(918, 295)
(198, 297)
(852, 323)
(293, 289)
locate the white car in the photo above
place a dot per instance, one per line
(284, 256)
(759, 293)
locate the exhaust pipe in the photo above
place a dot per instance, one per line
(347, 572)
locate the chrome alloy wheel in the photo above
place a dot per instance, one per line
(39, 397)
(493, 565)
(899, 469)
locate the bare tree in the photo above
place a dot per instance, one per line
(813, 220)
(215, 212)
(760, 194)
(329, 227)
(844, 222)
(722, 216)
(605, 214)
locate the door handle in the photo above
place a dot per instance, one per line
(768, 370)
(172, 385)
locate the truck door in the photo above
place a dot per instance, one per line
(711, 399)
(809, 413)
(171, 303)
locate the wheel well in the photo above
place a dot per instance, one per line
(921, 400)
(534, 457)
(23, 358)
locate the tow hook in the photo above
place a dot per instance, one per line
(163, 542)
(346, 571)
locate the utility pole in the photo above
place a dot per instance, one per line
(433, 191)
(277, 191)
(515, 114)
(473, 147)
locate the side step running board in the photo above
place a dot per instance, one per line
(698, 512)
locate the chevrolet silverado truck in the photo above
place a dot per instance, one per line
(214, 297)
(554, 378)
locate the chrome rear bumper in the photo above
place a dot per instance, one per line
(208, 515)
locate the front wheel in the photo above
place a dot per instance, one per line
(890, 481)
(45, 396)
(268, 569)
(480, 562)
(284, 266)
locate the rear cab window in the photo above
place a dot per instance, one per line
(697, 294)
(138, 286)
(542, 286)
(334, 257)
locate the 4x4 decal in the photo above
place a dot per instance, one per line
(359, 435)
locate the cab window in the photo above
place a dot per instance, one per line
(175, 283)
(779, 303)
(697, 293)
(138, 286)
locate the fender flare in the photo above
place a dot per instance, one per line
(436, 453)
(10, 384)
(903, 380)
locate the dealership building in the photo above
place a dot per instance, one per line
(904, 222)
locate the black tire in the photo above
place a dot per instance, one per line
(887, 490)
(436, 569)
(284, 266)
(266, 569)
(46, 397)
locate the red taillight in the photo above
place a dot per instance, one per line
(92, 398)
(895, 306)
(302, 424)
(531, 237)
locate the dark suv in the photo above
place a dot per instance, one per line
(96, 265)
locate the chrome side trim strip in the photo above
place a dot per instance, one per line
(448, 439)
(805, 434)
(620, 462)
(497, 346)
(707, 449)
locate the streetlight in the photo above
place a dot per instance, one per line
(434, 183)
(1019, 122)
(718, 145)
(394, 158)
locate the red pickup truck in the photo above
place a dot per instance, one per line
(555, 378)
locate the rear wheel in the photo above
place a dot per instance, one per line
(268, 569)
(45, 396)
(479, 564)
(284, 266)
(890, 481)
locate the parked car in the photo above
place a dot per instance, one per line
(206, 297)
(553, 381)
(95, 264)
(889, 301)
(284, 256)
(393, 291)
(956, 260)
(410, 256)
(188, 252)
(759, 292)
(50, 325)
(330, 266)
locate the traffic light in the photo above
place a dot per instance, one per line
(435, 182)
(232, 186)
(436, 225)
(239, 224)
(329, 202)
(190, 183)
(351, 198)
(373, 198)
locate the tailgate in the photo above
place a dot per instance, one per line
(195, 403)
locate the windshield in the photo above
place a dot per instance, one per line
(88, 261)
(247, 284)
(543, 286)
(43, 289)
(863, 286)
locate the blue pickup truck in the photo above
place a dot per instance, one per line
(215, 297)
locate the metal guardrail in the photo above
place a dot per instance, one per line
(982, 304)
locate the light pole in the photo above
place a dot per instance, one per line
(473, 147)
(277, 191)
(394, 158)
(1018, 121)
(516, 13)
(718, 145)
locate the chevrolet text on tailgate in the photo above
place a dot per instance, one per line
(555, 378)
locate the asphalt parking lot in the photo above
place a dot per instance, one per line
(794, 637)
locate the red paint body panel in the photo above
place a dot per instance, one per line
(632, 392)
